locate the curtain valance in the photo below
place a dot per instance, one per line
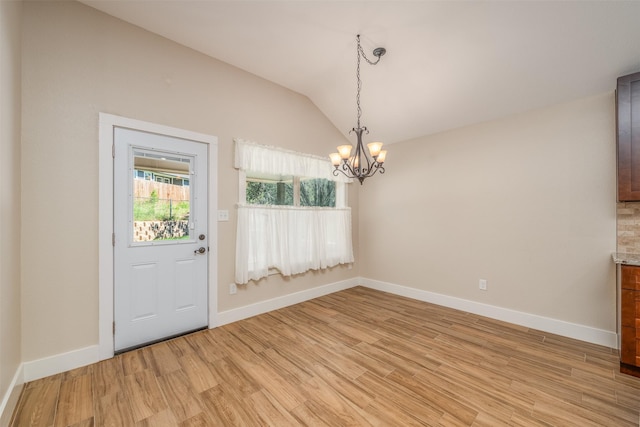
(250, 156)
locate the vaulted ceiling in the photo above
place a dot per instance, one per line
(448, 63)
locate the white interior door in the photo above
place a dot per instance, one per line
(160, 237)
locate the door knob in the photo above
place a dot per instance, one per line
(200, 250)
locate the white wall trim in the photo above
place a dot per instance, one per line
(40, 368)
(10, 399)
(262, 307)
(546, 324)
(105, 228)
(62, 362)
(52, 365)
(107, 122)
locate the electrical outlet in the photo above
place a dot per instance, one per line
(233, 289)
(482, 284)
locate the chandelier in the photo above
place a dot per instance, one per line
(360, 165)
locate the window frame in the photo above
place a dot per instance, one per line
(341, 193)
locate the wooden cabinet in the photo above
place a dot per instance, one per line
(630, 320)
(628, 137)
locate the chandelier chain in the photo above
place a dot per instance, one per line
(360, 53)
(359, 82)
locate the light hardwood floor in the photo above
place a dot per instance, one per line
(357, 357)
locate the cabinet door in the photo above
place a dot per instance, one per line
(630, 277)
(630, 315)
(629, 346)
(630, 336)
(628, 137)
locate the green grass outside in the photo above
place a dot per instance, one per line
(153, 209)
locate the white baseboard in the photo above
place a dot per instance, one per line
(62, 362)
(58, 363)
(10, 399)
(251, 310)
(546, 324)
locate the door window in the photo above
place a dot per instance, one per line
(161, 197)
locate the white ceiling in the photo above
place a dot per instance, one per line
(448, 63)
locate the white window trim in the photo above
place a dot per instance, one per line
(341, 191)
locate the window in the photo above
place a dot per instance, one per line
(265, 189)
(160, 211)
(317, 192)
(292, 214)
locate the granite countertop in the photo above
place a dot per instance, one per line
(625, 258)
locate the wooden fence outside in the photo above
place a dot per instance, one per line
(144, 188)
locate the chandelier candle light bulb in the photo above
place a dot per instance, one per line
(345, 151)
(360, 165)
(374, 148)
(381, 156)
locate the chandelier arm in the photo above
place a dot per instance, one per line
(337, 169)
(377, 168)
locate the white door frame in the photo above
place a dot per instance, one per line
(105, 220)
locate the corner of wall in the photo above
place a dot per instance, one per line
(10, 399)
(11, 373)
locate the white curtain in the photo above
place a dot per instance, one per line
(287, 238)
(291, 240)
(277, 161)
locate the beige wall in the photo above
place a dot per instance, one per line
(527, 202)
(10, 39)
(79, 62)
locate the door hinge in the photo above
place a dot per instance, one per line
(113, 239)
(114, 328)
(113, 151)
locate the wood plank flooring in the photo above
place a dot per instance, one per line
(357, 357)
